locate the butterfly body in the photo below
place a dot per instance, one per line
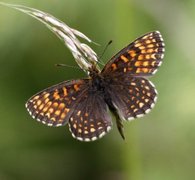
(121, 87)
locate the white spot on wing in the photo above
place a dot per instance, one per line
(87, 139)
(73, 135)
(109, 128)
(102, 134)
(130, 118)
(26, 105)
(94, 138)
(147, 111)
(152, 105)
(159, 64)
(154, 71)
(79, 138)
(139, 115)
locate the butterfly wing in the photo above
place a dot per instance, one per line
(132, 94)
(72, 102)
(140, 58)
(90, 119)
(132, 97)
(53, 106)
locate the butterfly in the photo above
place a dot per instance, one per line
(121, 87)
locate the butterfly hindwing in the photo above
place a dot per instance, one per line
(140, 58)
(133, 97)
(53, 106)
(90, 119)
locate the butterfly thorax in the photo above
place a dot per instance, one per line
(97, 81)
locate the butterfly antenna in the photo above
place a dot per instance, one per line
(110, 42)
(65, 65)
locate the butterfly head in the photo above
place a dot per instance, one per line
(94, 71)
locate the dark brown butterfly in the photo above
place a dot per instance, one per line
(121, 87)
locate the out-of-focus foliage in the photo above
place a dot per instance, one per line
(158, 146)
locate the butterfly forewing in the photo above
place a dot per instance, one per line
(140, 58)
(53, 106)
(90, 119)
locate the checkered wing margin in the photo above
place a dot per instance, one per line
(140, 58)
(53, 106)
(133, 97)
(90, 119)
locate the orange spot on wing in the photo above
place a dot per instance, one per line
(145, 63)
(114, 66)
(46, 100)
(145, 70)
(45, 109)
(148, 41)
(138, 44)
(36, 97)
(76, 87)
(143, 51)
(124, 58)
(137, 63)
(41, 106)
(38, 102)
(150, 50)
(132, 53)
(65, 91)
(56, 95)
(142, 47)
(142, 70)
(57, 113)
(63, 115)
(50, 110)
(61, 106)
(140, 57)
(148, 56)
(55, 104)
(66, 110)
(46, 95)
(150, 46)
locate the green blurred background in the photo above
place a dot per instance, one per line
(159, 146)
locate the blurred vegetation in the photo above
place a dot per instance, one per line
(158, 146)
